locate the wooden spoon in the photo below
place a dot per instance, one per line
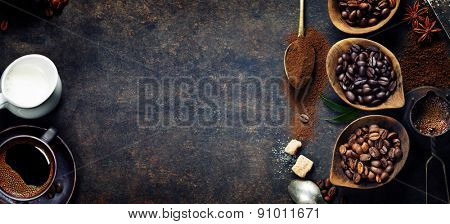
(306, 53)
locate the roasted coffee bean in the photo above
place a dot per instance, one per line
(332, 191)
(320, 184)
(372, 21)
(374, 136)
(371, 176)
(360, 140)
(360, 167)
(384, 176)
(364, 157)
(396, 142)
(375, 163)
(383, 134)
(398, 153)
(304, 118)
(389, 169)
(350, 96)
(384, 162)
(384, 150)
(376, 170)
(342, 150)
(365, 147)
(356, 178)
(349, 174)
(392, 135)
(391, 153)
(343, 165)
(327, 183)
(386, 143)
(374, 152)
(324, 191)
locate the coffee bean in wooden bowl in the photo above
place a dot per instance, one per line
(361, 16)
(365, 74)
(369, 152)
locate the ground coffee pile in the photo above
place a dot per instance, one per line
(299, 130)
(299, 62)
(425, 64)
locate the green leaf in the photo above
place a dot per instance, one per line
(345, 117)
(335, 106)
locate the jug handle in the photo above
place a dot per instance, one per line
(3, 101)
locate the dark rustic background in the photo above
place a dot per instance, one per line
(102, 49)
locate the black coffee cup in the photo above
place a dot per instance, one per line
(27, 167)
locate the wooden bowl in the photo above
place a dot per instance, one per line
(337, 175)
(395, 100)
(335, 15)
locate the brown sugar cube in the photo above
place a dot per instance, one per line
(292, 147)
(302, 166)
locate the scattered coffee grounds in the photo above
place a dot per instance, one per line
(300, 130)
(299, 62)
(431, 115)
(425, 64)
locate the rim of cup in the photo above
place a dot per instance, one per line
(42, 60)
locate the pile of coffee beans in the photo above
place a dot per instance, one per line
(327, 189)
(370, 154)
(366, 75)
(364, 13)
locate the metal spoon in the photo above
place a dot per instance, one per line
(305, 192)
(308, 49)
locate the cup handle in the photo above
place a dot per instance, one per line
(3, 101)
(49, 135)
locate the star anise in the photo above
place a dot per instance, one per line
(426, 29)
(414, 14)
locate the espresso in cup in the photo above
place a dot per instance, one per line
(27, 167)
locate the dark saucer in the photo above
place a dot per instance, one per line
(66, 172)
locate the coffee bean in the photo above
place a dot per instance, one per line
(383, 134)
(360, 167)
(320, 184)
(384, 176)
(344, 14)
(332, 191)
(304, 118)
(398, 153)
(364, 157)
(343, 165)
(350, 96)
(374, 152)
(392, 86)
(376, 170)
(372, 21)
(371, 176)
(352, 16)
(374, 136)
(342, 150)
(349, 174)
(396, 142)
(356, 178)
(375, 163)
(389, 169)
